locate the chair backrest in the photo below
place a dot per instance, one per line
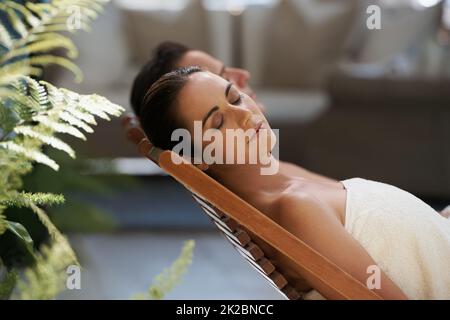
(275, 253)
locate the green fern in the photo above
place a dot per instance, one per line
(170, 277)
(8, 282)
(47, 277)
(48, 110)
(22, 199)
(36, 27)
(31, 114)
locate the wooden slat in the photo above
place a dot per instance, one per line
(206, 204)
(275, 279)
(240, 237)
(291, 293)
(266, 265)
(251, 250)
(133, 129)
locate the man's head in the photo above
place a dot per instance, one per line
(169, 56)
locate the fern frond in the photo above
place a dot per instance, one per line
(30, 154)
(55, 235)
(16, 22)
(44, 45)
(170, 277)
(83, 116)
(23, 199)
(89, 103)
(14, 74)
(7, 284)
(45, 60)
(5, 38)
(27, 14)
(47, 139)
(43, 10)
(74, 121)
(36, 24)
(18, 69)
(57, 110)
(47, 277)
(94, 104)
(59, 127)
(31, 88)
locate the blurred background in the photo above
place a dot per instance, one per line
(348, 101)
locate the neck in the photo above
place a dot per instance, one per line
(247, 180)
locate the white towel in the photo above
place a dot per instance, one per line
(407, 238)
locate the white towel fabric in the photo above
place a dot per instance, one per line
(407, 238)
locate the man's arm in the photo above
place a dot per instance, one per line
(445, 212)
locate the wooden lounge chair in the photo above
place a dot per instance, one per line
(279, 256)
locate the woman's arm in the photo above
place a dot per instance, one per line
(315, 223)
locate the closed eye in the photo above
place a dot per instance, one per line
(221, 122)
(238, 100)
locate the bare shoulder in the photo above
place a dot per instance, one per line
(296, 197)
(300, 202)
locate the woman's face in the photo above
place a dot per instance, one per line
(218, 105)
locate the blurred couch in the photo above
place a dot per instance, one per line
(391, 130)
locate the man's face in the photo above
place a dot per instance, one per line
(238, 77)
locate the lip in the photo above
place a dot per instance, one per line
(257, 128)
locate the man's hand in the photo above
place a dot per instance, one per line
(446, 212)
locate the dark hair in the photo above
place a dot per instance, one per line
(157, 116)
(164, 58)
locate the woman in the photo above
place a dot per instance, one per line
(356, 223)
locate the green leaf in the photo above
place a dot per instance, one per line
(21, 233)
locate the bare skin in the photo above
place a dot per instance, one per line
(313, 209)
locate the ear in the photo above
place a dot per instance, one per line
(202, 166)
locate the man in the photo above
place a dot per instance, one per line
(171, 55)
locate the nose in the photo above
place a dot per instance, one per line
(241, 115)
